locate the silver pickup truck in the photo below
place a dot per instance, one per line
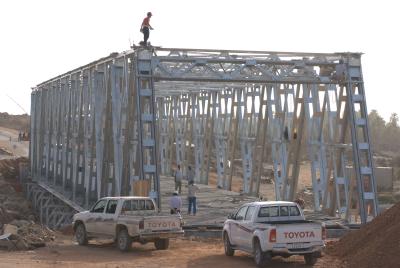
(273, 228)
(126, 220)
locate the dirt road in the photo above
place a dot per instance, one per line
(64, 252)
(16, 148)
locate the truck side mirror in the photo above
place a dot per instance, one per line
(231, 216)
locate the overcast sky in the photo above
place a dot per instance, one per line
(41, 39)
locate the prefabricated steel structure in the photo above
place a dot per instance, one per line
(133, 115)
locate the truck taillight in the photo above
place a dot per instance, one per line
(141, 224)
(323, 230)
(272, 235)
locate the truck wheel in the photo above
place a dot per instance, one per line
(229, 251)
(124, 241)
(81, 235)
(161, 244)
(310, 259)
(261, 258)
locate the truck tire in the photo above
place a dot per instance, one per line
(161, 244)
(81, 235)
(261, 258)
(229, 251)
(310, 259)
(124, 241)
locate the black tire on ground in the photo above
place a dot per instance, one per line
(310, 259)
(261, 258)
(161, 244)
(81, 235)
(229, 251)
(124, 241)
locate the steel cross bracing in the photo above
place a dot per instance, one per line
(135, 115)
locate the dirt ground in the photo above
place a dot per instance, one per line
(64, 252)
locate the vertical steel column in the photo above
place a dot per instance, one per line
(32, 132)
(261, 140)
(99, 97)
(247, 126)
(199, 129)
(119, 102)
(296, 136)
(164, 134)
(277, 133)
(316, 146)
(363, 162)
(147, 122)
(179, 106)
(56, 138)
(88, 134)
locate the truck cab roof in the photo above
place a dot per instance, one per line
(272, 203)
(126, 197)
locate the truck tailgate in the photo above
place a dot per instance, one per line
(298, 233)
(163, 223)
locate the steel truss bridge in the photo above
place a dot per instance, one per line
(133, 115)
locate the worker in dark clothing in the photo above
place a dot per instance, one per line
(145, 28)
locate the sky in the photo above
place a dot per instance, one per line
(44, 38)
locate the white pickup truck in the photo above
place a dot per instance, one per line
(273, 228)
(126, 220)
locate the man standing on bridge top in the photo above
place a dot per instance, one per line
(145, 28)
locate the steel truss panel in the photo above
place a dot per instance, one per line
(134, 115)
(54, 209)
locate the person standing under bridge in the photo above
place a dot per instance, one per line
(145, 28)
(178, 179)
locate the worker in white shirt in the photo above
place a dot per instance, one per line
(175, 203)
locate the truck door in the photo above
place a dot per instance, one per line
(107, 225)
(237, 225)
(247, 229)
(95, 215)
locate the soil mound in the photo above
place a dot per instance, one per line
(19, 122)
(377, 244)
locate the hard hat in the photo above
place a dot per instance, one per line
(149, 14)
(176, 192)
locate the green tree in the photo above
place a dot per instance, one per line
(377, 129)
(392, 133)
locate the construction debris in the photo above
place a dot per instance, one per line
(4, 151)
(13, 205)
(376, 244)
(307, 198)
(26, 235)
(9, 168)
(18, 229)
